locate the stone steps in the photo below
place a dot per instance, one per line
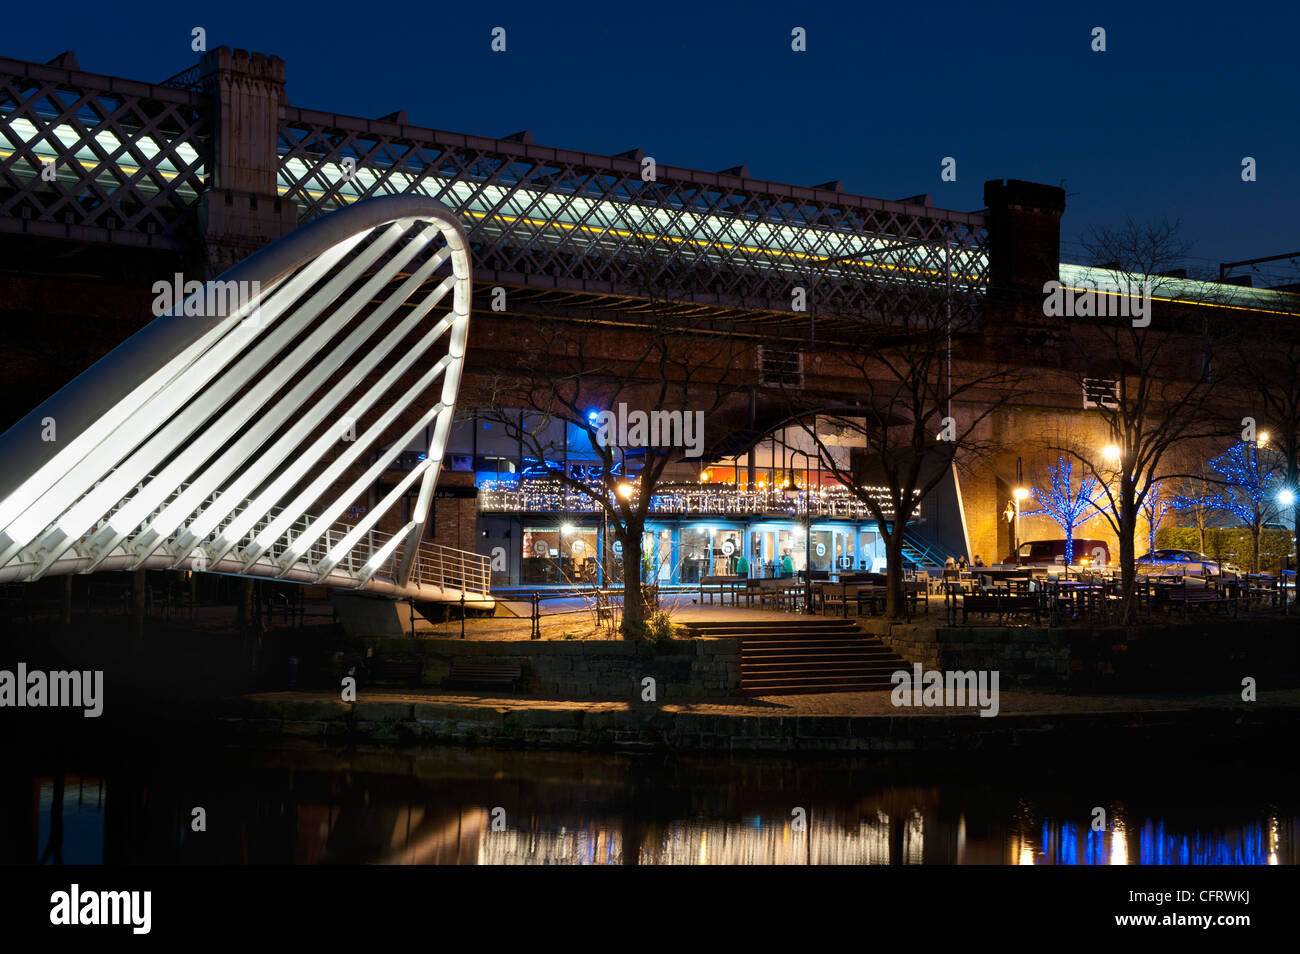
(806, 656)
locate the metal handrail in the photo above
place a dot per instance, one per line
(434, 564)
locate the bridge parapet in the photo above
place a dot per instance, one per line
(98, 158)
(216, 153)
(551, 218)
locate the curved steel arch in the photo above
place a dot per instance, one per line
(221, 432)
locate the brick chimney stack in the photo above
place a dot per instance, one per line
(1024, 221)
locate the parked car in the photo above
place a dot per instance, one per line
(1047, 552)
(1176, 559)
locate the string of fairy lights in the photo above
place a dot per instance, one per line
(553, 496)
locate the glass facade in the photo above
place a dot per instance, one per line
(729, 517)
(682, 552)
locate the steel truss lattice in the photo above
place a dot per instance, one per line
(546, 218)
(128, 158)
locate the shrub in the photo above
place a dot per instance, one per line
(1230, 544)
(656, 630)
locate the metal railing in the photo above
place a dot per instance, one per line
(434, 565)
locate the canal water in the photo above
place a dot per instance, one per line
(309, 804)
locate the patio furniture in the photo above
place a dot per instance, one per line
(1003, 604)
(484, 675)
(721, 586)
(1184, 596)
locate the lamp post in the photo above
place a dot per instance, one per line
(1019, 493)
(624, 489)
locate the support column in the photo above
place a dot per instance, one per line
(242, 210)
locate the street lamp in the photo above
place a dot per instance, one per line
(1019, 493)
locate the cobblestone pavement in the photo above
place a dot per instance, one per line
(824, 704)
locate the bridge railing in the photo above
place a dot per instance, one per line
(434, 564)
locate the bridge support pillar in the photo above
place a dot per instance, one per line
(242, 211)
(370, 616)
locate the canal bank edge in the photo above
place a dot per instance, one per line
(1150, 657)
(620, 726)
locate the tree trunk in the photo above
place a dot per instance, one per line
(895, 600)
(1127, 554)
(634, 608)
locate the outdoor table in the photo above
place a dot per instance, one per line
(872, 594)
(1081, 596)
(1263, 585)
(951, 590)
(792, 597)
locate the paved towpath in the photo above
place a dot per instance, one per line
(813, 704)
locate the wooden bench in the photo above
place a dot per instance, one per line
(721, 586)
(834, 596)
(874, 597)
(1001, 604)
(1184, 596)
(489, 675)
(403, 672)
(774, 591)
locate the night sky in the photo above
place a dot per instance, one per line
(1156, 127)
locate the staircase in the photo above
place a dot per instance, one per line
(807, 655)
(922, 553)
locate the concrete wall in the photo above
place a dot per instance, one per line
(587, 669)
(1209, 654)
(1025, 658)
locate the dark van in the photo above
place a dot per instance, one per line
(1094, 552)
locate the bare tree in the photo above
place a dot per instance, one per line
(1268, 371)
(1155, 507)
(1194, 495)
(1162, 365)
(923, 393)
(666, 364)
(1249, 478)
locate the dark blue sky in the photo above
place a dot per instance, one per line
(1155, 127)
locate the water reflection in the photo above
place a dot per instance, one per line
(318, 806)
(1064, 843)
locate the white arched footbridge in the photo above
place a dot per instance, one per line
(234, 433)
